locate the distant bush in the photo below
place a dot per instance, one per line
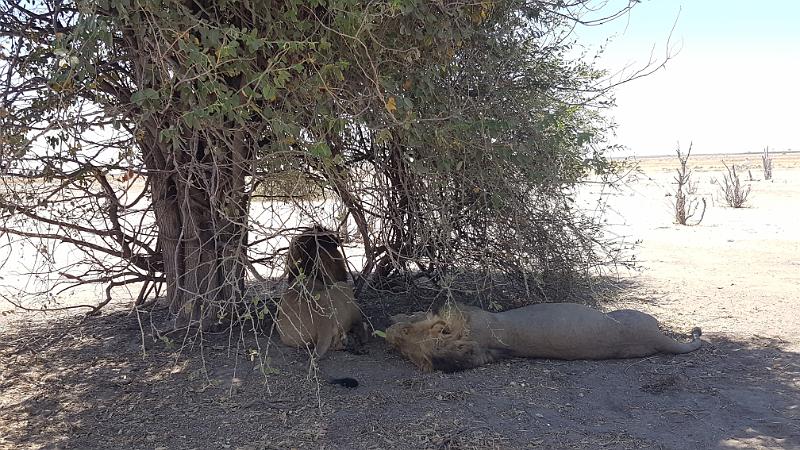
(732, 189)
(686, 203)
(766, 162)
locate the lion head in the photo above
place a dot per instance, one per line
(435, 341)
(315, 254)
(417, 340)
(438, 341)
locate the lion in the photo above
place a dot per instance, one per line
(318, 310)
(314, 254)
(459, 337)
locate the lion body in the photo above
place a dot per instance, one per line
(318, 310)
(317, 316)
(463, 337)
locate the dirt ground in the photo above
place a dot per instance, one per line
(107, 382)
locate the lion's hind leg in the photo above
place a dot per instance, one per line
(633, 319)
(643, 330)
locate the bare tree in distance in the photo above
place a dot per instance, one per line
(732, 189)
(766, 162)
(686, 202)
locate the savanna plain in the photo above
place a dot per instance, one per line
(113, 382)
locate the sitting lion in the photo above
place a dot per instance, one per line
(461, 337)
(318, 310)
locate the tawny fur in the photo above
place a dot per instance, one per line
(318, 310)
(462, 337)
(317, 316)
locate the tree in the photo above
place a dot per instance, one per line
(686, 206)
(445, 123)
(766, 162)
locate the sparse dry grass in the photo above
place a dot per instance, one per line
(713, 162)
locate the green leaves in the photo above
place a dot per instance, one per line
(252, 42)
(281, 77)
(144, 96)
(446, 119)
(320, 150)
(268, 91)
(383, 136)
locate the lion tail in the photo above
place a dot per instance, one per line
(672, 346)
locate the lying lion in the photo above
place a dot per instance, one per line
(461, 337)
(318, 310)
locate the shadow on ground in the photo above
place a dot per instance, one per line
(108, 383)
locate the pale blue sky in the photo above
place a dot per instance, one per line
(731, 85)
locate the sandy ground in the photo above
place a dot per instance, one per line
(109, 383)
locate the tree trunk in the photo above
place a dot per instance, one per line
(197, 175)
(201, 210)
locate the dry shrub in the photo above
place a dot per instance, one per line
(734, 192)
(766, 162)
(686, 202)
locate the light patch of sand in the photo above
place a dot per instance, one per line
(737, 272)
